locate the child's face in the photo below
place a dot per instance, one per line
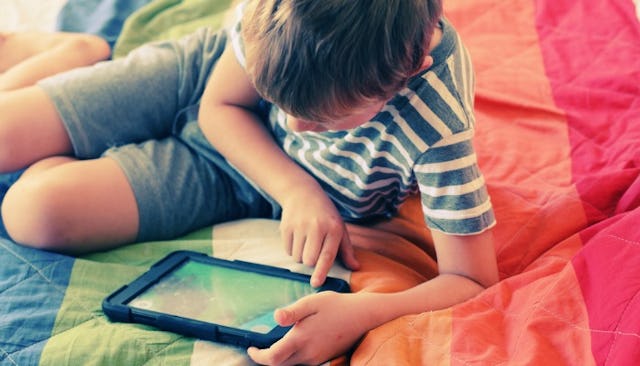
(353, 119)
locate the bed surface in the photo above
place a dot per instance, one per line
(558, 140)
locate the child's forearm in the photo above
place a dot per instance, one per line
(467, 265)
(244, 141)
(229, 123)
(439, 293)
(312, 230)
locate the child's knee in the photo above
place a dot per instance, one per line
(93, 48)
(33, 214)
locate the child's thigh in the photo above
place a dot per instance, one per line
(176, 189)
(72, 206)
(117, 102)
(30, 129)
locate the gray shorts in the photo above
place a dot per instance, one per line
(141, 111)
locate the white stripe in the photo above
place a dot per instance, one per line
(417, 141)
(458, 214)
(446, 166)
(466, 71)
(451, 100)
(453, 190)
(428, 115)
(375, 153)
(346, 175)
(350, 175)
(459, 137)
(237, 37)
(306, 147)
(362, 163)
(380, 127)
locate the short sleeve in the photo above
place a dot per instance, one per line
(453, 193)
(235, 33)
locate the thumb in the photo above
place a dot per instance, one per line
(291, 314)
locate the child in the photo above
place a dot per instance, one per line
(29, 56)
(365, 102)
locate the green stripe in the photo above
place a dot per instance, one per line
(82, 335)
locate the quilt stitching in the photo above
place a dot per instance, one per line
(410, 324)
(536, 305)
(102, 320)
(3, 352)
(38, 271)
(7, 356)
(560, 32)
(151, 360)
(613, 343)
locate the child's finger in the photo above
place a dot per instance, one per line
(277, 354)
(293, 313)
(312, 248)
(283, 351)
(326, 258)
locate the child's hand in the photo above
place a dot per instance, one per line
(325, 325)
(314, 233)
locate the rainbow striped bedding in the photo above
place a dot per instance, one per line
(558, 114)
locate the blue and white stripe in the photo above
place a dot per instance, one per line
(420, 141)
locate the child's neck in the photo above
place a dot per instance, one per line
(435, 38)
(435, 41)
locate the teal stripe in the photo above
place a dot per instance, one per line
(32, 288)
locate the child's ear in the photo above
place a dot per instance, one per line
(426, 64)
(428, 61)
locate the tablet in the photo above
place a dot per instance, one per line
(213, 299)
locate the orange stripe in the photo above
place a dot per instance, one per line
(524, 152)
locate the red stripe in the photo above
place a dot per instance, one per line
(591, 51)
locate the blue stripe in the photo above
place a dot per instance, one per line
(448, 152)
(433, 98)
(465, 226)
(32, 287)
(408, 137)
(450, 178)
(461, 202)
(429, 134)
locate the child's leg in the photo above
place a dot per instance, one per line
(127, 108)
(30, 129)
(71, 206)
(155, 190)
(28, 57)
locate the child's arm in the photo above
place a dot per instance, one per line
(328, 324)
(28, 57)
(312, 229)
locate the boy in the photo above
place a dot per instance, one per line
(364, 102)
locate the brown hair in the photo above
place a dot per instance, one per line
(317, 59)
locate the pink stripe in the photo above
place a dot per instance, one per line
(591, 50)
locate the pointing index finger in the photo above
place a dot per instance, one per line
(326, 259)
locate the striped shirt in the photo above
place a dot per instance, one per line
(421, 141)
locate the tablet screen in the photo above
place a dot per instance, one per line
(222, 295)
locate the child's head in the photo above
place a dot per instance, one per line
(319, 59)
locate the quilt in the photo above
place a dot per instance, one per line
(558, 140)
